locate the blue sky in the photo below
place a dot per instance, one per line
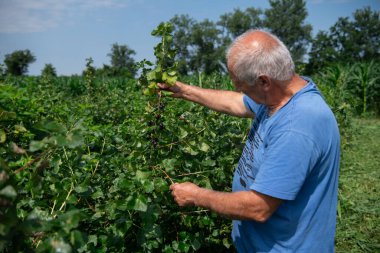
(66, 32)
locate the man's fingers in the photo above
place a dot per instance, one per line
(172, 186)
(175, 89)
(163, 86)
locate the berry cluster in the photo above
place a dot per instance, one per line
(156, 124)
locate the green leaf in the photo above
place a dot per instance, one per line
(208, 162)
(76, 238)
(36, 145)
(195, 244)
(169, 164)
(183, 133)
(98, 194)
(149, 92)
(142, 174)
(59, 246)
(93, 239)
(172, 73)
(155, 74)
(165, 76)
(138, 203)
(9, 192)
(152, 85)
(3, 136)
(148, 186)
(160, 185)
(151, 75)
(226, 243)
(58, 140)
(74, 140)
(205, 182)
(171, 55)
(124, 205)
(190, 151)
(4, 115)
(20, 129)
(204, 147)
(183, 246)
(81, 189)
(168, 38)
(70, 220)
(52, 126)
(171, 80)
(168, 249)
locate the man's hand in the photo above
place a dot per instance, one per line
(177, 89)
(185, 193)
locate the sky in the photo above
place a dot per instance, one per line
(66, 32)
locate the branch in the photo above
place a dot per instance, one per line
(167, 176)
(30, 162)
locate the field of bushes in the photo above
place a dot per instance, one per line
(86, 163)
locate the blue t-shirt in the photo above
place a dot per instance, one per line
(294, 156)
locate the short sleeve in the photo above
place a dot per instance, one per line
(288, 160)
(250, 104)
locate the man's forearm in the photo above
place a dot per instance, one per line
(249, 205)
(242, 205)
(229, 102)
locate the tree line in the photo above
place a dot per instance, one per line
(122, 63)
(201, 45)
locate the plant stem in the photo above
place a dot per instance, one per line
(67, 197)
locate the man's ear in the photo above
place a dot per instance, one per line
(265, 82)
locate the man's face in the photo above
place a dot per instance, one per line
(251, 90)
(238, 85)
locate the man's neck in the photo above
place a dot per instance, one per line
(284, 92)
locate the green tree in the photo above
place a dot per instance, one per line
(286, 19)
(122, 61)
(322, 53)
(49, 70)
(366, 34)
(357, 39)
(2, 70)
(198, 45)
(18, 62)
(347, 41)
(183, 26)
(237, 22)
(207, 55)
(105, 71)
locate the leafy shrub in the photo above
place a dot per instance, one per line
(87, 176)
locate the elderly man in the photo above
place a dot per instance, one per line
(284, 192)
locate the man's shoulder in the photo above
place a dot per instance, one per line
(315, 119)
(309, 116)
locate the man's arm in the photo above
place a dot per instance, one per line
(229, 102)
(243, 205)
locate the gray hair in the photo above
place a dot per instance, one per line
(250, 61)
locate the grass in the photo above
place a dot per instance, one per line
(358, 228)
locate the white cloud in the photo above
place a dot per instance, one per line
(20, 16)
